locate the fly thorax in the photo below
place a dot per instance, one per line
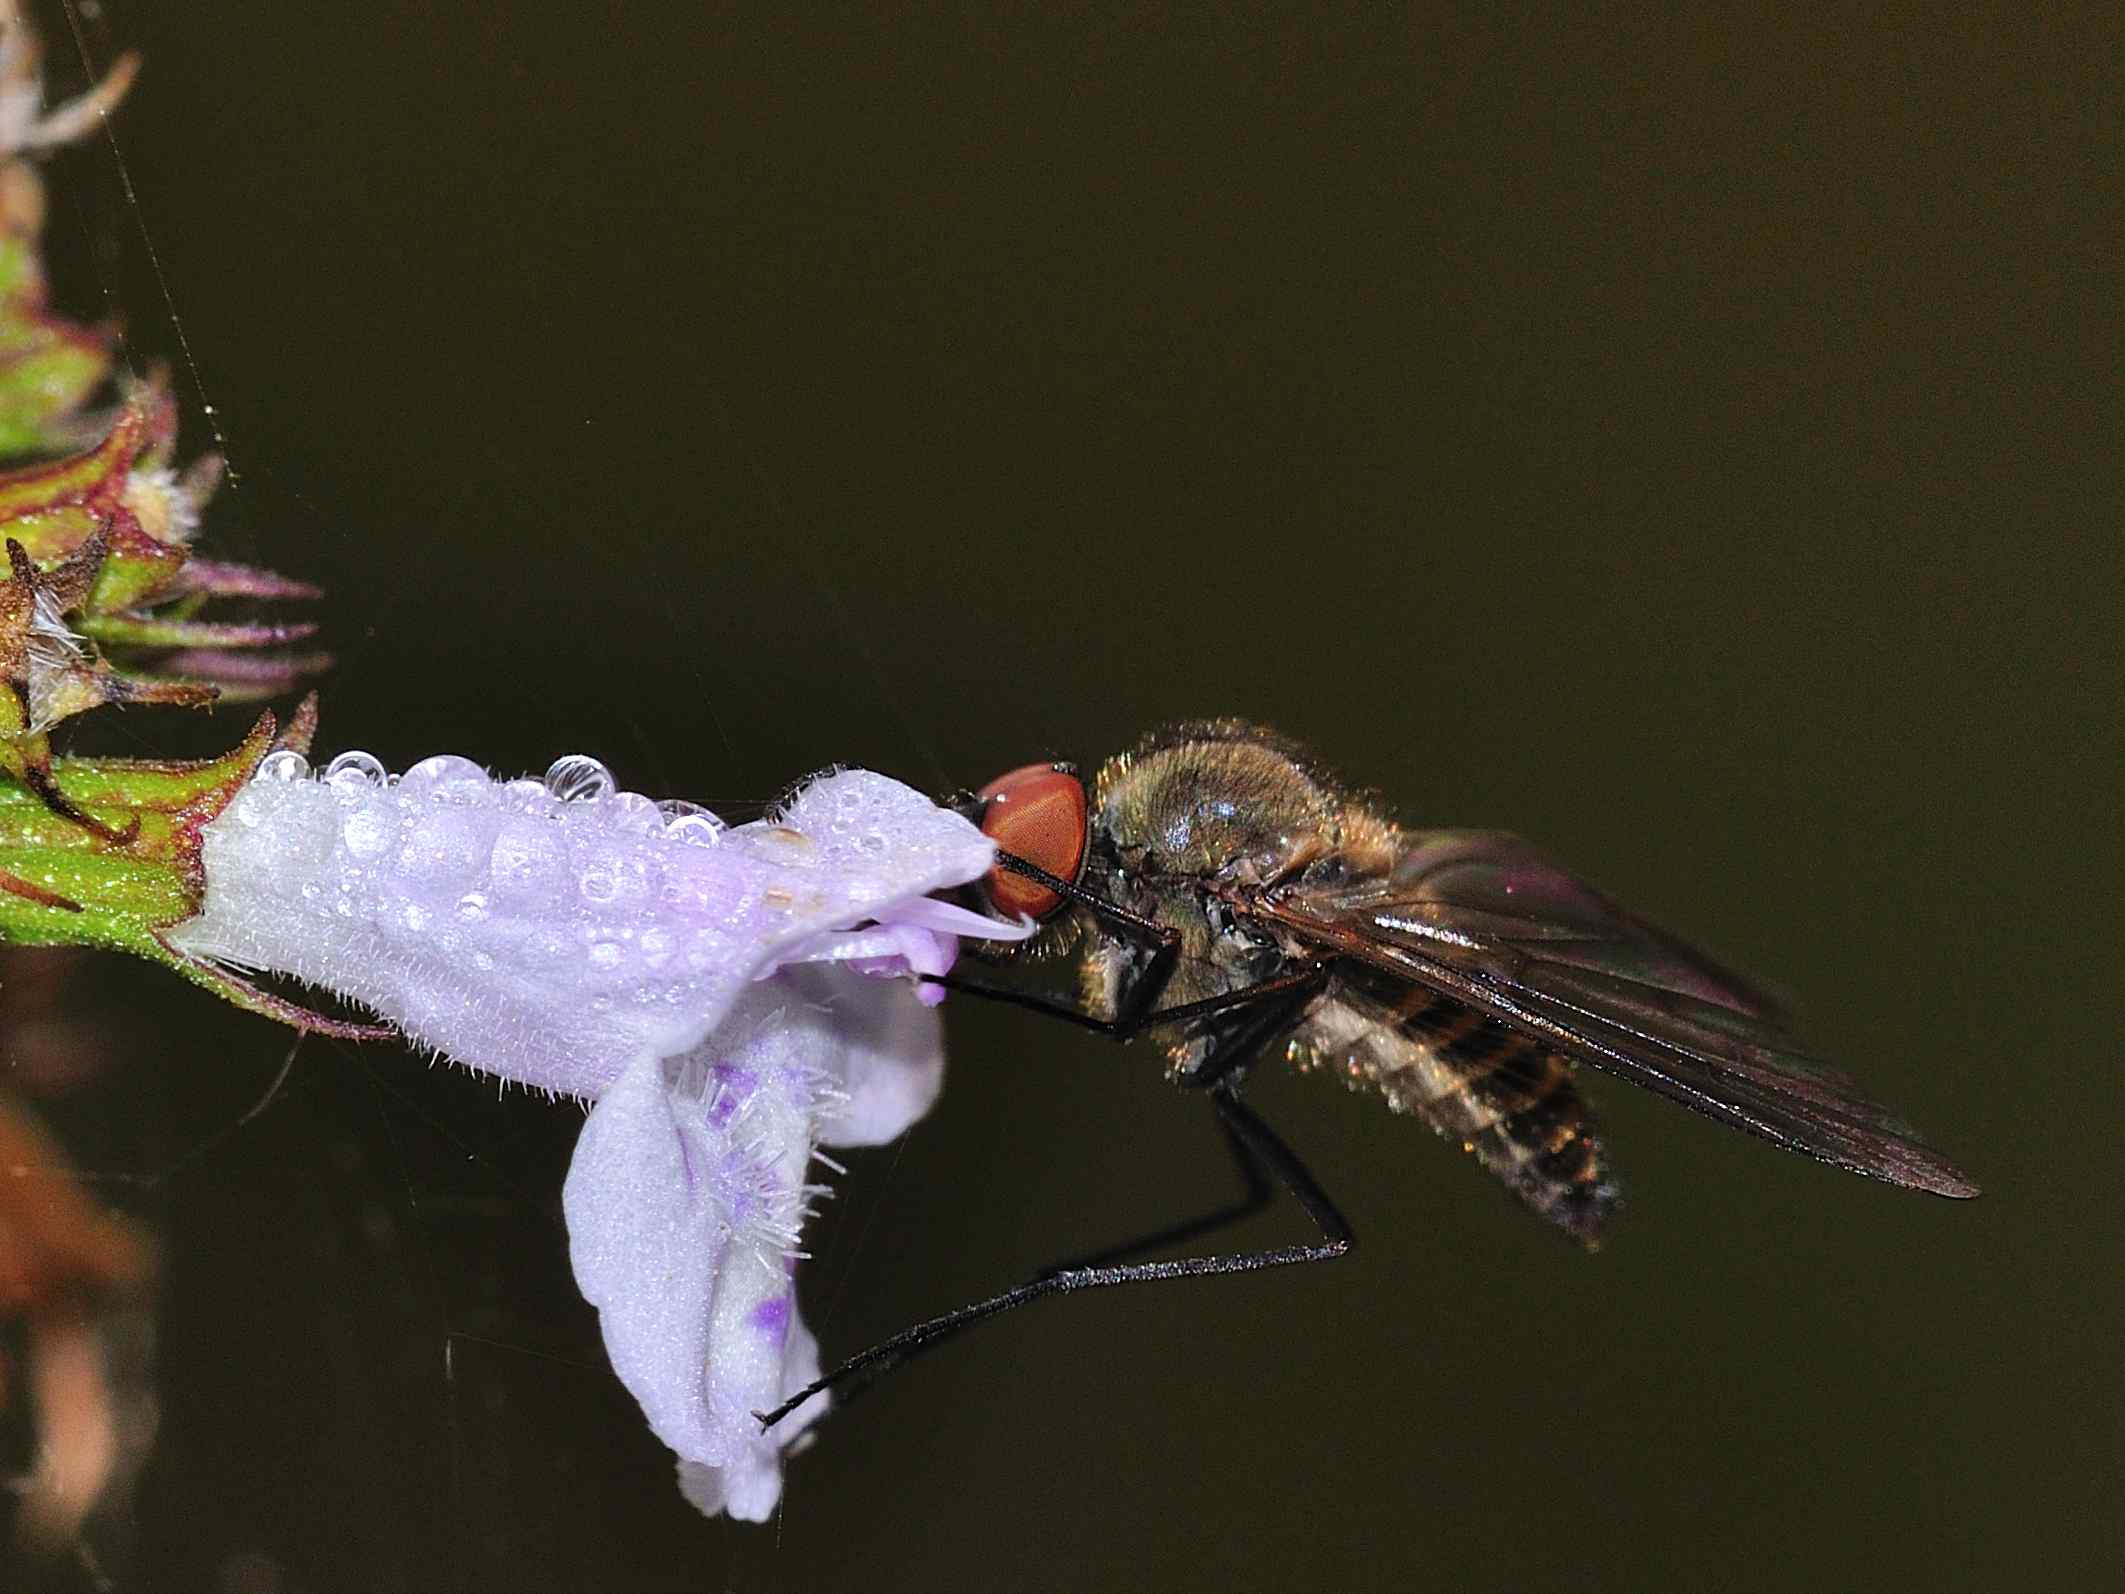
(1208, 810)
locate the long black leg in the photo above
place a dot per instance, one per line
(1261, 1143)
(1253, 1197)
(1277, 1006)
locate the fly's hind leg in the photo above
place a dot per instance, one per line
(1271, 1160)
(1257, 1189)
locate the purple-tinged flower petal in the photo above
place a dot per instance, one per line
(915, 936)
(680, 1230)
(680, 974)
(687, 1194)
(550, 941)
(889, 1055)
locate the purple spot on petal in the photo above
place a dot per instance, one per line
(729, 1088)
(771, 1317)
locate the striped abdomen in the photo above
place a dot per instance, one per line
(1506, 1097)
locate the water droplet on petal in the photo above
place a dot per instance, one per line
(704, 951)
(366, 832)
(635, 813)
(699, 830)
(528, 861)
(287, 764)
(579, 778)
(472, 906)
(679, 808)
(690, 822)
(658, 944)
(448, 778)
(442, 849)
(352, 771)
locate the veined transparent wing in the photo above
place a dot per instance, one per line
(1481, 917)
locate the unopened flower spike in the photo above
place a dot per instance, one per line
(24, 124)
(85, 577)
(49, 366)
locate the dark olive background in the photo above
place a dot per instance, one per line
(1690, 442)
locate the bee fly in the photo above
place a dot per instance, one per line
(1218, 888)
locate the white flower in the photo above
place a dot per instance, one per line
(688, 1194)
(705, 988)
(550, 932)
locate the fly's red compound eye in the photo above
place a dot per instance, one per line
(1038, 813)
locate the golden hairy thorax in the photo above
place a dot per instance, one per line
(1226, 799)
(1212, 802)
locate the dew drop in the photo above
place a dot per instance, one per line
(354, 770)
(448, 778)
(416, 917)
(698, 830)
(472, 906)
(578, 778)
(690, 822)
(287, 764)
(657, 946)
(599, 883)
(634, 813)
(443, 849)
(679, 808)
(366, 833)
(528, 861)
(604, 954)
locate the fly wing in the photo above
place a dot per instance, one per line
(1481, 917)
